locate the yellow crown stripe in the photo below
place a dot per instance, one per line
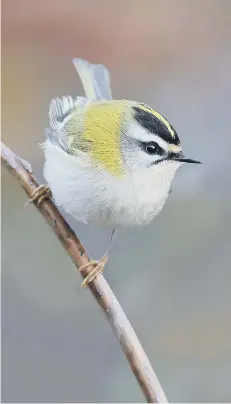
(160, 117)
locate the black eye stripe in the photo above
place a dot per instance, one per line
(150, 149)
(155, 147)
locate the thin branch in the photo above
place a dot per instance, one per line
(102, 292)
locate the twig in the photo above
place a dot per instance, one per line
(103, 294)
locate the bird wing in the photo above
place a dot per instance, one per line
(96, 82)
(60, 112)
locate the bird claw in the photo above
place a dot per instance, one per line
(40, 194)
(99, 267)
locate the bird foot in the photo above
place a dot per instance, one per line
(40, 194)
(98, 268)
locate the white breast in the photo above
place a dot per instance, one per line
(92, 195)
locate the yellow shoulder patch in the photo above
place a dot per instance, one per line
(102, 130)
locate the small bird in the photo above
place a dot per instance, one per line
(108, 162)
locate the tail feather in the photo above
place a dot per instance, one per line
(95, 79)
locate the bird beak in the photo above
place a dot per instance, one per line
(180, 157)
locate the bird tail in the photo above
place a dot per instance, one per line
(95, 79)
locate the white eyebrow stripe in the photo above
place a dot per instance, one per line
(143, 135)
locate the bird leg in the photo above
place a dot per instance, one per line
(98, 268)
(39, 194)
(98, 265)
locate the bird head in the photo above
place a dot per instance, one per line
(151, 141)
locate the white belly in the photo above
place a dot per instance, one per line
(92, 195)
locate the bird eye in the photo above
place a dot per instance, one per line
(151, 148)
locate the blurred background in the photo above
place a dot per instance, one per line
(172, 277)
